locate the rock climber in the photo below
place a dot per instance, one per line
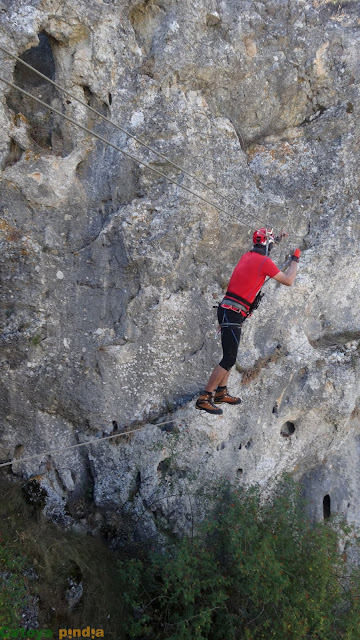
(241, 298)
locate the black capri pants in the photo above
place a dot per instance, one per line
(230, 323)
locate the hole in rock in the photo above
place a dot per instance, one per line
(19, 449)
(14, 155)
(239, 472)
(43, 127)
(135, 487)
(138, 481)
(287, 429)
(110, 99)
(326, 507)
(88, 94)
(168, 428)
(94, 101)
(115, 424)
(240, 445)
(164, 467)
(41, 58)
(74, 573)
(249, 444)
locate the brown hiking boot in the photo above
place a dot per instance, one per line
(205, 403)
(221, 395)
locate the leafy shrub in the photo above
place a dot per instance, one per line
(254, 571)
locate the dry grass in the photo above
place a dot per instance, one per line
(57, 555)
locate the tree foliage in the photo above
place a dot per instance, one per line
(253, 571)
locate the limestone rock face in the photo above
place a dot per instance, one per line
(110, 272)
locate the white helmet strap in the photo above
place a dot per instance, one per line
(269, 233)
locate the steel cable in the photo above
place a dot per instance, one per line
(139, 141)
(94, 440)
(146, 165)
(114, 146)
(82, 444)
(130, 135)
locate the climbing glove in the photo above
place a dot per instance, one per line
(296, 256)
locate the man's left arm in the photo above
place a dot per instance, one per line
(288, 278)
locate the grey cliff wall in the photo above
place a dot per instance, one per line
(109, 273)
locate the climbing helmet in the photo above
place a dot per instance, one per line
(261, 236)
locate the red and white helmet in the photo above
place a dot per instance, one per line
(261, 236)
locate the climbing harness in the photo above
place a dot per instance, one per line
(225, 325)
(233, 305)
(240, 305)
(230, 324)
(256, 302)
(236, 303)
(269, 234)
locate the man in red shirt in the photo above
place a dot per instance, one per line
(240, 299)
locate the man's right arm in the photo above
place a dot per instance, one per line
(289, 277)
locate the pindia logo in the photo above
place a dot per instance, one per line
(42, 634)
(81, 633)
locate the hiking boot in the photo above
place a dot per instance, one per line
(221, 395)
(205, 403)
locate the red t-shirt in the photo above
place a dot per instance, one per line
(250, 273)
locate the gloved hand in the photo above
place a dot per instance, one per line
(296, 255)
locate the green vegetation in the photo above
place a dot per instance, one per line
(13, 596)
(55, 555)
(253, 572)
